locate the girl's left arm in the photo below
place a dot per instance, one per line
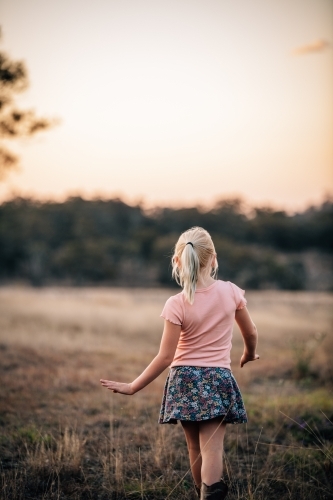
(163, 359)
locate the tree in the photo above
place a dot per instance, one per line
(15, 123)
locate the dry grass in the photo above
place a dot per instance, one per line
(63, 436)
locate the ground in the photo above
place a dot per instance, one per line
(63, 436)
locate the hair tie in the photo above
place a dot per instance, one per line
(189, 243)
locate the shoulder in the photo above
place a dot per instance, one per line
(175, 299)
(223, 284)
(224, 287)
(233, 286)
(173, 309)
(238, 294)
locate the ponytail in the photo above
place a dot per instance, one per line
(192, 253)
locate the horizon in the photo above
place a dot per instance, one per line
(247, 205)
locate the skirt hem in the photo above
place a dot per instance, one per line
(175, 420)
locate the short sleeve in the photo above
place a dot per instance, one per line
(173, 310)
(240, 300)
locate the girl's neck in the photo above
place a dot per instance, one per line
(204, 281)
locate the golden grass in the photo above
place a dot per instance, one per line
(63, 436)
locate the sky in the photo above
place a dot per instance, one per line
(176, 102)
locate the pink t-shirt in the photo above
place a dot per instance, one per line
(207, 324)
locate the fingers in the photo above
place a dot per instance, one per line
(245, 360)
(109, 384)
(116, 387)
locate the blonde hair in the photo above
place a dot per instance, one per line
(192, 254)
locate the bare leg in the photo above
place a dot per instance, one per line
(191, 430)
(211, 436)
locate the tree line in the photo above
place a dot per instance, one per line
(110, 242)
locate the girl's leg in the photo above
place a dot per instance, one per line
(211, 436)
(191, 430)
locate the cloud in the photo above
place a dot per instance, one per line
(316, 46)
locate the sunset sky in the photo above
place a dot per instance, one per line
(176, 101)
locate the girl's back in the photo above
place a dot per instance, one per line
(206, 325)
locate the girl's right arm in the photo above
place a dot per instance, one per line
(170, 337)
(250, 335)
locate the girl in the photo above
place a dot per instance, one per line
(200, 390)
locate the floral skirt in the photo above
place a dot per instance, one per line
(198, 393)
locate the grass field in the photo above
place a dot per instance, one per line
(63, 436)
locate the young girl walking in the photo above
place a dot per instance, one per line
(200, 391)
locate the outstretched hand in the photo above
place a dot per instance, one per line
(246, 358)
(117, 387)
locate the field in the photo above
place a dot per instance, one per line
(63, 436)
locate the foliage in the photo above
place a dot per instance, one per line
(303, 352)
(14, 122)
(110, 241)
